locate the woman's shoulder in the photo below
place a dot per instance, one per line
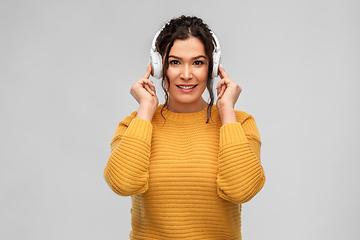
(126, 121)
(121, 128)
(241, 116)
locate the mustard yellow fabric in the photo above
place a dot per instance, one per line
(187, 178)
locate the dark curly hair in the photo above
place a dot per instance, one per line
(183, 28)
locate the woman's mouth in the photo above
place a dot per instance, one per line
(186, 87)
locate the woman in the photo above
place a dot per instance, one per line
(187, 164)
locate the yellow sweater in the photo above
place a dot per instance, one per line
(187, 178)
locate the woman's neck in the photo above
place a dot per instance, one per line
(187, 108)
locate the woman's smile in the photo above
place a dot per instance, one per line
(186, 88)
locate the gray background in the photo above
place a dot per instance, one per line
(66, 68)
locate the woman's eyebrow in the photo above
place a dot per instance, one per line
(200, 56)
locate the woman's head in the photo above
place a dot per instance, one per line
(182, 29)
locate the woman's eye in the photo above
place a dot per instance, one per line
(174, 62)
(198, 63)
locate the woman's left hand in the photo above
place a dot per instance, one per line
(227, 90)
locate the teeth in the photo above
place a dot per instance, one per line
(187, 87)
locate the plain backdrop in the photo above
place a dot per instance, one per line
(66, 68)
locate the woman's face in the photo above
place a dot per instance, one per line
(187, 75)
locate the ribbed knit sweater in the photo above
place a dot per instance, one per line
(187, 178)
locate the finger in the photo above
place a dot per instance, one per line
(144, 81)
(222, 72)
(220, 83)
(222, 91)
(227, 82)
(147, 87)
(220, 75)
(148, 72)
(218, 90)
(152, 87)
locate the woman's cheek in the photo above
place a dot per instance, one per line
(202, 73)
(171, 73)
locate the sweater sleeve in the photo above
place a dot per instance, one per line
(126, 171)
(240, 175)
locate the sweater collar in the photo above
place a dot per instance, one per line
(182, 117)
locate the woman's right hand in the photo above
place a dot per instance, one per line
(144, 93)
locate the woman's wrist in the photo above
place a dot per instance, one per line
(227, 115)
(146, 112)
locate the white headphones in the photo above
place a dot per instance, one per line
(156, 60)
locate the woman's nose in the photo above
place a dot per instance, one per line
(186, 73)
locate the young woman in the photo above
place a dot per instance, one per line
(188, 165)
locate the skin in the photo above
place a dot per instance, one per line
(187, 66)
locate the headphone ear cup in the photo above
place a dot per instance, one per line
(156, 64)
(216, 63)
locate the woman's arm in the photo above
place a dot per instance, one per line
(126, 171)
(240, 175)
